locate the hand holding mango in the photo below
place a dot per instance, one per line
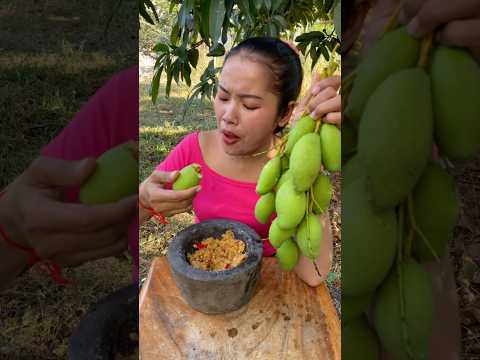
(115, 176)
(154, 194)
(72, 234)
(189, 177)
(457, 22)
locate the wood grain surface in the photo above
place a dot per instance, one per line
(285, 319)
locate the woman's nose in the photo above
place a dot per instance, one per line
(230, 114)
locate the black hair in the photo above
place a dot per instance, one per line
(284, 63)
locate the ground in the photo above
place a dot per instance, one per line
(465, 255)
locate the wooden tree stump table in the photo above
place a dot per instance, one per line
(285, 319)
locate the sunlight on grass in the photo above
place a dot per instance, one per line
(74, 62)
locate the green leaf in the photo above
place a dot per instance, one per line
(302, 47)
(143, 5)
(217, 50)
(176, 70)
(324, 52)
(327, 6)
(244, 7)
(181, 52)
(145, 15)
(205, 10)
(268, 4)
(169, 83)
(310, 36)
(252, 5)
(172, 5)
(155, 84)
(276, 5)
(186, 71)
(216, 16)
(314, 55)
(175, 34)
(337, 19)
(272, 30)
(185, 11)
(193, 57)
(160, 61)
(160, 47)
(280, 22)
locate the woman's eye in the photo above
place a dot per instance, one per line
(223, 99)
(250, 107)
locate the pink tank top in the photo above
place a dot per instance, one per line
(220, 197)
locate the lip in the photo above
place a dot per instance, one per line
(229, 138)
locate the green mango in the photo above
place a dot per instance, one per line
(269, 176)
(369, 241)
(285, 162)
(436, 209)
(331, 145)
(349, 141)
(290, 205)
(309, 236)
(456, 102)
(417, 295)
(395, 51)
(322, 194)
(285, 176)
(265, 207)
(287, 255)
(115, 177)
(354, 306)
(303, 126)
(306, 161)
(396, 136)
(189, 177)
(359, 341)
(352, 170)
(277, 236)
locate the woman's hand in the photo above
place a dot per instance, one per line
(166, 202)
(457, 23)
(314, 275)
(33, 214)
(323, 100)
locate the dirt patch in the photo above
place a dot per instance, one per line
(465, 255)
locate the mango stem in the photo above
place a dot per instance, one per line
(403, 318)
(426, 46)
(393, 19)
(413, 223)
(318, 122)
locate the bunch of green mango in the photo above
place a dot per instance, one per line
(399, 207)
(294, 186)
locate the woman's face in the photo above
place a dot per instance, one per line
(245, 106)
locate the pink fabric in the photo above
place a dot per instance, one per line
(220, 197)
(108, 119)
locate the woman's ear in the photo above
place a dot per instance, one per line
(288, 114)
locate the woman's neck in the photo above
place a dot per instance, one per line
(239, 167)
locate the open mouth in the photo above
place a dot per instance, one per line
(229, 137)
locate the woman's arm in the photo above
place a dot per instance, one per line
(315, 274)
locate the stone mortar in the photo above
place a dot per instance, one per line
(215, 292)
